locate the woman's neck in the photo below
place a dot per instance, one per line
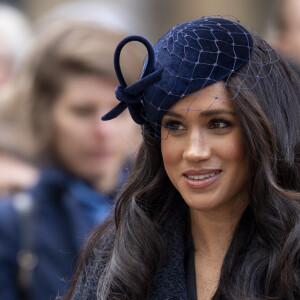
(212, 231)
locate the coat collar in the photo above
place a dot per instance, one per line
(169, 282)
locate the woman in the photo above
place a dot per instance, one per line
(65, 85)
(211, 209)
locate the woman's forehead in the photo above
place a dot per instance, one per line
(215, 96)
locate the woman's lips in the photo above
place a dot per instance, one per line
(202, 178)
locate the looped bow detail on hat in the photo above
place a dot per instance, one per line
(131, 96)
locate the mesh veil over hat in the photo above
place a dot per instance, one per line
(186, 59)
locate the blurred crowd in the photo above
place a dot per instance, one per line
(60, 165)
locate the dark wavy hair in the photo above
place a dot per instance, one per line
(263, 260)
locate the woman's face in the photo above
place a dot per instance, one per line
(202, 150)
(90, 148)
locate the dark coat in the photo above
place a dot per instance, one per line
(170, 280)
(60, 227)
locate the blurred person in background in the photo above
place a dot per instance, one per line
(15, 35)
(64, 87)
(287, 27)
(18, 171)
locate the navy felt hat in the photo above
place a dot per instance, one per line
(188, 58)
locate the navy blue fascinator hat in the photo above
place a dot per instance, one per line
(186, 59)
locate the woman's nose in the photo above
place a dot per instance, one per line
(197, 147)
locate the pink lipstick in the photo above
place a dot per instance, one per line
(199, 179)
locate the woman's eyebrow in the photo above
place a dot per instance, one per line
(202, 113)
(216, 112)
(174, 114)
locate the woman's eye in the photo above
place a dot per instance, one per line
(173, 125)
(218, 124)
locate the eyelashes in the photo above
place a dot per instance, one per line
(174, 125)
(219, 124)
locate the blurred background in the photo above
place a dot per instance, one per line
(157, 16)
(56, 81)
